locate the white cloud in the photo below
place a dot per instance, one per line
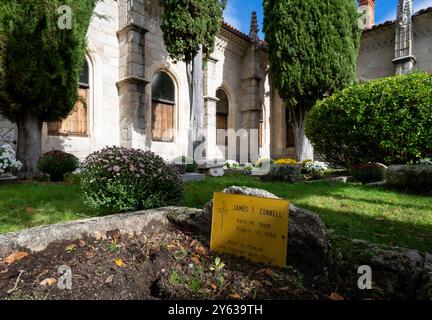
(231, 16)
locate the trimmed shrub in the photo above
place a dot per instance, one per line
(386, 120)
(123, 179)
(57, 163)
(369, 172)
(185, 164)
(283, 173)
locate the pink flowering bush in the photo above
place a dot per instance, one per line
(123, 179)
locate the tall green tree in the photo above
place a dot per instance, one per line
(190, 28)
(313, 47)
(42, 50)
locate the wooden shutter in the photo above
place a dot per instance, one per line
(76, 122)
(163, 122)
(221, 124)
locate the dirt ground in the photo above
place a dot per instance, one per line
(165, 264)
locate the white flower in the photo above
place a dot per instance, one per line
(316, 167)
(8, 160)
(231, 164)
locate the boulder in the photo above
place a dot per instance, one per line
(410, 177)
(401, 273)
(308, 243)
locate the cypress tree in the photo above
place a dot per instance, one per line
(313, 47)
(189, 29)
(40, 64)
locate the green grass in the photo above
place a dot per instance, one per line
(29, 204)
(348, 210)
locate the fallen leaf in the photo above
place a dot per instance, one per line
(234, 296)
(201, 250)
(119, 262)
(98, 236)
(16, 256)
(262, 270)
(178, 267)
(89, 254)
(71, 247)
(48, 282)
(82, 243)
(193, 243)
(196, 260)
(109, 279)
(269, 272)
(214, 286)
(30, 210)
(336, 297)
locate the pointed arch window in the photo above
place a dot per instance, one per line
(76, 122)
(222, 112)
(163, 104)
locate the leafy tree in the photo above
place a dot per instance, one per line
(190, 28)
(313, 47)
(40, 65)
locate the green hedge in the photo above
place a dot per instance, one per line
(387, 120)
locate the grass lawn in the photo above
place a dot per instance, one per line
(348, 210)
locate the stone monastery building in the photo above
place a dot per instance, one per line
(135, 93)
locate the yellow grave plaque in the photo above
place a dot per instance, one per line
(250, 227)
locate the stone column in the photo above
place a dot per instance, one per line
(404, 58)
(132, 84)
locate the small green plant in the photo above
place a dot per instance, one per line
(112, 247)
(175, 278)
(195, 284)
(57, 163)
(218, 265)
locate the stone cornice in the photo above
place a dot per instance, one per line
(132, 79)
(131, 26)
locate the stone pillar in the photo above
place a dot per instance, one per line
(132, 84)
(210, 101)
(404, 57)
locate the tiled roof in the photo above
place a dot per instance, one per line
(390, 22)
(236, 31)
(239, 33)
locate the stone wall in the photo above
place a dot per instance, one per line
(377, 49)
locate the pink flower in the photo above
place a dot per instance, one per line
(116, 169)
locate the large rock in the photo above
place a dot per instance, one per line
(401, 273)
(410, 177)
(308, 243)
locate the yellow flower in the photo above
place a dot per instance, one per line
(286, 162)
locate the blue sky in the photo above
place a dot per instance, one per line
(238, 12)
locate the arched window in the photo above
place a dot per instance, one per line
(76, 122)
(222, 111)
(163, 103)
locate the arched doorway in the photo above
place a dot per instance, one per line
(222, 112)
